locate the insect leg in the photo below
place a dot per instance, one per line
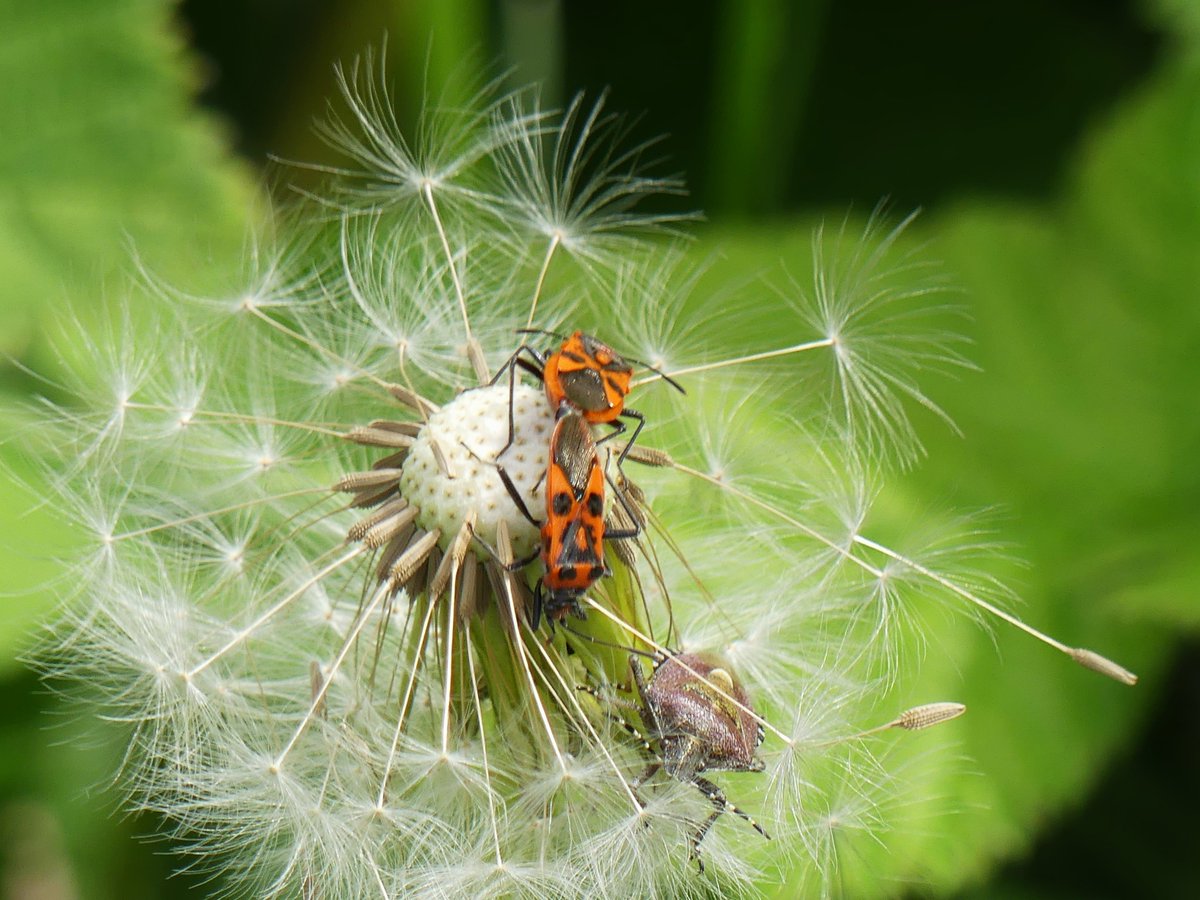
(721, 804)
(620, 721)
(618, 427)
(649, 719)
(535, 614)
(641, 423)
(516, 497)
(516, 565)
(534, 368)
(618, 534)
(511, 488)
(635, 785)
(510, 366)
(646, 774)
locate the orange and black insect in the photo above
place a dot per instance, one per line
(573, 532)
(587, 375)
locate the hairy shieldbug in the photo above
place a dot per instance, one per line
(700, 717)
(697, 718)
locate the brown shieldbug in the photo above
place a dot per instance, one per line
(697, 718)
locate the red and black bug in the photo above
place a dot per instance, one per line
(697, 718)
(586, 374)
(573, 531)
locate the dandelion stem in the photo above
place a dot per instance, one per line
(213, 513)
(275, 609)
(402, 365)
(736, 361)
(487, 768)
(418, 655)
(915, 719)
(319, 348)
(481, 371)
(541, 279)
(780, 514)
(383, 891)
(961, 592)
(449, 678)
(1088, 658)
(236, 417)
(319, 698)
(570, 694)
(510, 609)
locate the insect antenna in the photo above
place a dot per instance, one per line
(545, 331)
(659, 372)
(654, 657)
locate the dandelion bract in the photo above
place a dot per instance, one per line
(299, 593)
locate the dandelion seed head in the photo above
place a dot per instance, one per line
(451, 470)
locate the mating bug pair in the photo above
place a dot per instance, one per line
(586, 383)
(696, 717)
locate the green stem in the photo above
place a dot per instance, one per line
(764, 74)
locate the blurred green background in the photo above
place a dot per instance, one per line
(1055, 148)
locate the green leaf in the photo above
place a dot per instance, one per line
(103, 154)
(1087, 330)
(765, 64)
(1082, 426)
(30, 539)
